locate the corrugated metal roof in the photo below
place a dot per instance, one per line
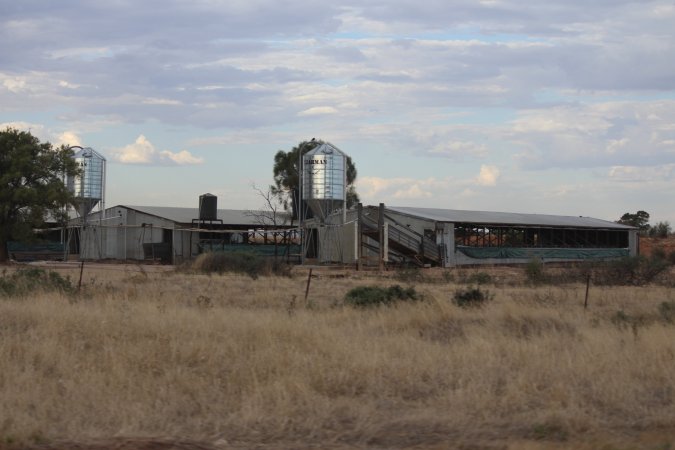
(185, 215)
(506, 218)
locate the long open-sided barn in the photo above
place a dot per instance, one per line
(447, 237)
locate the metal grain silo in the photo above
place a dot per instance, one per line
(324, 179)
(89, 186)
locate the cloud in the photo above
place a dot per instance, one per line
(398, 188)
(488, 176)
(586, 135)
(458, 149)
(650, 174)
(35, 129)
(318, 111)
(142, 151)
(14, 84)
(68, 138)
(542, 88)
(44, 134)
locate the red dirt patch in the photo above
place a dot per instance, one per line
(648, 244)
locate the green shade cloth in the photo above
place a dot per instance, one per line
(543, 253)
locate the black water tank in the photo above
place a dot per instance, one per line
(208, 207)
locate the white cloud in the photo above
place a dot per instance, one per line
(160, 101)
(398, 188)
(438, 90)
(68, 138)
(35, 129)
(14, 84)
(459, 149)
(413, 191)
(56, 138)
(318, 111)
(67, 85)
(142, 151)
(626, 133)
(650, 174)
(488, 175)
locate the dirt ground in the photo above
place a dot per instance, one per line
(661, 440)
(648, 244)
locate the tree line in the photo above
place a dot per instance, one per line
(640, 220)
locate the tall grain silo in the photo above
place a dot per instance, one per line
(89, 186)
(324, 180)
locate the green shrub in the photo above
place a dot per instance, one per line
(448, 276)
(671, 257)
(367, 296)
(550, 431)
(621, 319)
(479, 278)
(410, 275)
(633, 270)
(660, 230)
(667, 311)
(658, 253)
(26, 281)
(239, 262)
(535, 272)
(624, 321)
(471, 297)
(469, 277)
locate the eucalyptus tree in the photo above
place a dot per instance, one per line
(32, 185)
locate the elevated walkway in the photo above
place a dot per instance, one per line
(403, 242)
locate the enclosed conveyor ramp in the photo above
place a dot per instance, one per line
(400, 242)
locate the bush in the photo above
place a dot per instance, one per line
(634, 270)
(660, 230)
(471, 297)
(367, 296)
(534, 270)
(26, 281)
(658, 253)
(239, 262)
(468, 277)
(410, 275)
(448, 276)
(479, 278)
(667, 311)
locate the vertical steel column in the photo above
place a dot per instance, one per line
(359, 236)
(380, 230)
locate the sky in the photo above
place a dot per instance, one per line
(551, 107)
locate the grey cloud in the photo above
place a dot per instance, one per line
(344, 54)
(539, 18)
(173, 50)
(631, 134)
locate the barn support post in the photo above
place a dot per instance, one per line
(359, 236)
(380, 229)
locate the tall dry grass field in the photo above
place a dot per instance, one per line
(233, 362)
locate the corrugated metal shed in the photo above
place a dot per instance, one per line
(185, 215)
(505, 218)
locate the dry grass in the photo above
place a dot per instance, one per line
(232, 362)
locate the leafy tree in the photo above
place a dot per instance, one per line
(31, 184)
(661, 229)
(639, 220)
(287, 182)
